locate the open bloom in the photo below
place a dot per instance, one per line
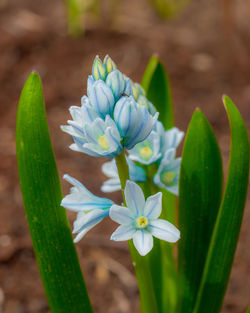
(147, 151)
(154, 147)
(98, 138)
(170, 138)
(167, 175)
(140, 220)
(136, 174)
(90, 208)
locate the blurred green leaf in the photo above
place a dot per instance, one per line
(49, 228)
(168, 9)
(226, 232)
(75, 16)
(156, 84)
(201, 181)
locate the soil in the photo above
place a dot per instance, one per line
(206, 52)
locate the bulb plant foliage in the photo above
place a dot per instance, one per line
(132, 126)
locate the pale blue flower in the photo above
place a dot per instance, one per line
(154, 147)
(147, 151)
(98, 138)
(167, 175)
(136, 174)
(81, 116)
(133, 121)
(90, 208)
(170, 139)
(140, 220)
(101, 98)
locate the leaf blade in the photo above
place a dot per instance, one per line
(222, 247)
(200, 195)
(49, 228)
(156, 84)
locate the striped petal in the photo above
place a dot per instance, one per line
(164, 230)
(143, 241)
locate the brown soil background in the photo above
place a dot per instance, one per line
(206, 55)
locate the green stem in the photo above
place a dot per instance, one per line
(161, 259)
(145, 284)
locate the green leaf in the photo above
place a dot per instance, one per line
(248, 310)
(161, 261)
(201, 181)
(226, 232)
(48, 224)
(156, 84)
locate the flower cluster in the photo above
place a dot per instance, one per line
(113, 116)
(158, 148)
(109, 118)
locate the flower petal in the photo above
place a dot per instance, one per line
(164, 230)
(111, 185)
(123, 232)
(121, 214)
(153, 206)
(143, 241)
(134, 198)
(87, 221)
(81, 199)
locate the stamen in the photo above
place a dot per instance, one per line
(146, 153)
(142, 222)
(168, 177)
(103, 142)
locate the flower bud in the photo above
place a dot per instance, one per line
(101, 98)
(137, 90)
(125, 115)
(99, 69)
(128, 87)
(109, 64)
(116, 82)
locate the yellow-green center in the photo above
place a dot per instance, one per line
(142, 222)
(168, 177)
(146, 153)
(102, 141)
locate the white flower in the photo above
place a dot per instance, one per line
(90, 208)
(167, 175)
(98, 138)
(147, 151)
(139, 220)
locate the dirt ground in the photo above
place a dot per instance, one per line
(206, 54)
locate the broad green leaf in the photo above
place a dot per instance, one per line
(200, 195)
(156, 84)
(226, 232)
(157, 87)
(248, 310)
(48, 224)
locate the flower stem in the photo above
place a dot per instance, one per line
(145, 284)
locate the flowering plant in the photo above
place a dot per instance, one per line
(133, 126)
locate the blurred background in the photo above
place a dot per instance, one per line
(205, 47)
